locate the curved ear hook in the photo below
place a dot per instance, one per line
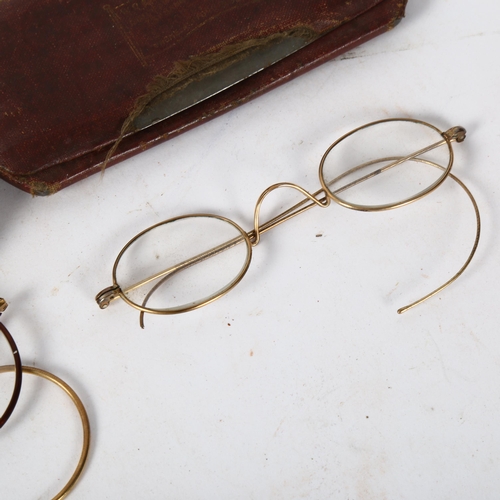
(255, 236)
(153, 290)
(474, 247)
(146, 299)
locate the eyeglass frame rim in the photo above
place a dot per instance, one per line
(181, 310)
(18, 370)
(388, 206)
(70, 484)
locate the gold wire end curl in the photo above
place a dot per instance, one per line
(104, 297)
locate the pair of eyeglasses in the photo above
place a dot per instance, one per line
(19, 370)
(187, 262)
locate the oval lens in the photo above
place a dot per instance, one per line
(380, 166)
(182, 263)
(10, 384)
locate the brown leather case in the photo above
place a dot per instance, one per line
(75, 76)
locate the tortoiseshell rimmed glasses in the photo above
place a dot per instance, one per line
(6, 412)
(186, 262)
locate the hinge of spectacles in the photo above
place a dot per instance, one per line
(104, 297)
(455, 134)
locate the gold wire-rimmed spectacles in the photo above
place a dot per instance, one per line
(19, 369)
(186, 262)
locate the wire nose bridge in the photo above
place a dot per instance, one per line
(254, 235)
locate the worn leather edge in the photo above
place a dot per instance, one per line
(315, 54)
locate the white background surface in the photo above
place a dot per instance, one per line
(303, 382)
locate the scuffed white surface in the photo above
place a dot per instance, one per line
(303, 382)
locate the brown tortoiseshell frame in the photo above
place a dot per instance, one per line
(18, 369)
